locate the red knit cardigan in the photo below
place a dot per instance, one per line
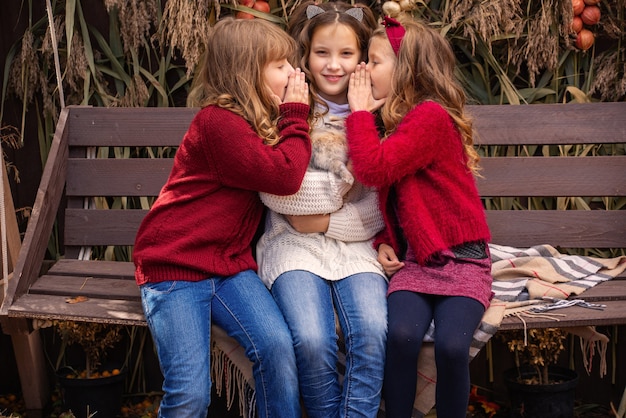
(423, 161)
(205, 218)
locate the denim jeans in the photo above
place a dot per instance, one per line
(179, 315)
(307, 302)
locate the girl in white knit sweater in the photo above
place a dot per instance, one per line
(316, 253)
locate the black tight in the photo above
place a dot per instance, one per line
(410, 314)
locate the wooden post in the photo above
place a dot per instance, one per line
(27, 345)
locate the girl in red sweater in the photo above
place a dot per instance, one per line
(434, 244)
(193, 254)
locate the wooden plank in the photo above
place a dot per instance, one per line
(96, 268)
(42, 217)
(129, 127)
(553, 176)
(107, 311)
(87, 227)
(117, 177)
(572, 123)
(565, 229)
(613, 314)
(614, 289)
(87, 286)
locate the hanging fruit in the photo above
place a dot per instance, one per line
(578, 6)
(590, 15)
(261, 6)
(584, 39)
(577, 24)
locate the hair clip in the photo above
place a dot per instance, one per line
(313, 10)
(356, 12)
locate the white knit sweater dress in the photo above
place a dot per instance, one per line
(345, 249)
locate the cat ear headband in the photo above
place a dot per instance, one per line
(395, 32)
(313, 10)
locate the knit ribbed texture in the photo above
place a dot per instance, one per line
(346, 248)
(307, 200)
(205, 218)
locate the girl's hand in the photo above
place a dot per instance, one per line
(388, 259)
(297, 89)
(307, 224)
(360, 91)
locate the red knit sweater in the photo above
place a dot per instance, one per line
(437, 202)
(203, 222)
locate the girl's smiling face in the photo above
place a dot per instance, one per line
(381, 63)
(334, 55)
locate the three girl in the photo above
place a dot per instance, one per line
(434, 244)
(316, 254)
(193, 254)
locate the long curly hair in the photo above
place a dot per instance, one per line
(231, 73)
(425, 71)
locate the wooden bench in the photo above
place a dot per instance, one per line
(100, 200)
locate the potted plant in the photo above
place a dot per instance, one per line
(89, 388)
(537, 386)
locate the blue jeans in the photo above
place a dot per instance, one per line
(179, 316)
(307, 302)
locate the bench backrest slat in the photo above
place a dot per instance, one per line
(553, 176)
(584, 123)
(128, 127)
(524, 177)
(117, 177)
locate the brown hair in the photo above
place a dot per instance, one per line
(425, 70)
(302, 29)
(231, 75)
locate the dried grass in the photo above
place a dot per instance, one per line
(184, 26)
(610, 79)
(24, 75)
(137, 18)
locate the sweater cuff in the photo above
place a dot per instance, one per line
(293, 109)
(337, 226)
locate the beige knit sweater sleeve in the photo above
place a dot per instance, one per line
(321, 192)
(359, 219)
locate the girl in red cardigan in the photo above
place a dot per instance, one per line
(434, 244)
(193, 252)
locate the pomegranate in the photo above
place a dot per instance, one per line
(578, 6)
(577, 24)
(590, 15)
(584, 39)
(261, 6)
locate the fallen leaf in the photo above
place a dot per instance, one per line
(77, 299)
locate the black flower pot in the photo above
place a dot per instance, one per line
(101, 396)
(552, 400)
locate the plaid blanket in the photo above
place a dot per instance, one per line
(521, 277)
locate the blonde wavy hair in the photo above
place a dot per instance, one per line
(425, 71)
(231, 73)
